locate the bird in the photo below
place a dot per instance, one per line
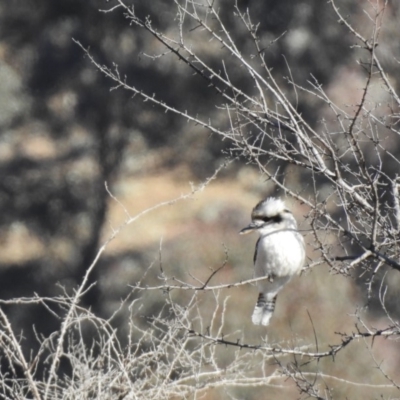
(279, 253)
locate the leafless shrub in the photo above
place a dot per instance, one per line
(345, 165)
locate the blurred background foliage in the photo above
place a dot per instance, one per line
(63, 134)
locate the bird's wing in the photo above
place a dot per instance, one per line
(255, 252)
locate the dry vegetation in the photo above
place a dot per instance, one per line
(174, 278)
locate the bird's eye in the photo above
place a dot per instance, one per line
(276, 219)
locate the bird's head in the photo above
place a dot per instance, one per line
(269, 215)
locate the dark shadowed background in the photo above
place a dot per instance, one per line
(64, 133)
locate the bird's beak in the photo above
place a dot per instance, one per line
(252, 227)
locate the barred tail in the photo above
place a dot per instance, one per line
(263, 310)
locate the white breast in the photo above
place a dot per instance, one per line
(280, 254)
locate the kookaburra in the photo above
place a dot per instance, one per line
(279, 253)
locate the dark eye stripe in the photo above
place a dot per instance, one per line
(276, 218)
